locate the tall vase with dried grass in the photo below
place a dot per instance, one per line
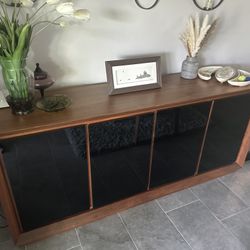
(193, 39)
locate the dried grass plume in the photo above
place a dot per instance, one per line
(196, 34)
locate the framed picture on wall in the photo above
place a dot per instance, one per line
(133, 74)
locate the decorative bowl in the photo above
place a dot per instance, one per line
(205, 73)
(226, 73)
(53, 103)
(243, 79)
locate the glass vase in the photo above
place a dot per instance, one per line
(19, 85)
(189, 69)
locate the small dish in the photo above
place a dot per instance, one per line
(226, 73)
(243, 79)
(205, 73)
(53, 103)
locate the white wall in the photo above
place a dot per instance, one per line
(118, 29)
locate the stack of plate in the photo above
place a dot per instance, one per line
(205, 73)
(225, 74)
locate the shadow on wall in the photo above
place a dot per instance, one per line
(116, 15)
(166, 58)
(48, 50)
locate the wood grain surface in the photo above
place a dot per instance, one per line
(91, 104)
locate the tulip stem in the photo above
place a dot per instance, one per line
(41, 7)
(49, 23)
(44, 14)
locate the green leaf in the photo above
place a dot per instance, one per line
(23, 42)
(4, 42)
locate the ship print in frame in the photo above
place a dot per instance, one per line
(131, 75)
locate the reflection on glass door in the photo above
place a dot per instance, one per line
(48, 176)
(226, 129)
(179, 136)
(120, 151)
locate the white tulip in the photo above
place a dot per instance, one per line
(51, 2)
(63, 24)
(82, 14)
(65, 8)
(27, 3)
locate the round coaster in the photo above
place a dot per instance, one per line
(53, 103)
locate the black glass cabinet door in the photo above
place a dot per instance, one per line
(48, 176)
(226, 129)
(179, 135)
(120, 152)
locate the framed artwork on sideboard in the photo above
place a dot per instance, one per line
(131, 75)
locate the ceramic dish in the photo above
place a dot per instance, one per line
(205, 73)
(243, 79)
(53, 103)
(226, 73)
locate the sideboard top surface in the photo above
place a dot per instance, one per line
(91, 104)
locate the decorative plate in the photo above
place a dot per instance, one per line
(205, 73)
(243, 79)
(53, 103)
(226, 73)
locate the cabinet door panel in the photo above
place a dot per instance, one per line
(177, 150)
(226, 129)
(120, 152)
(47, 177)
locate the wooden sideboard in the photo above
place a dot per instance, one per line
(105, 154)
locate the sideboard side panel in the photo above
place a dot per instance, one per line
(7, 202)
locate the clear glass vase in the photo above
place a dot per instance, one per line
(19, 85)
(189, 69)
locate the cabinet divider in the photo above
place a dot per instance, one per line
(204, 138)
(91, 206)
(152, 149)
(137, 123)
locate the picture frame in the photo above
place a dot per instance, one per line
(131, 75)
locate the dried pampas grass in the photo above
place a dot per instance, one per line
(196, 34)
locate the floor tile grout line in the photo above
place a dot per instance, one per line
(179, 206)
(78, 237)
(235, 236)
(74, 247)
(224, 184)
(235, 214)
(130, 235)
(176, 228)
(219, 221)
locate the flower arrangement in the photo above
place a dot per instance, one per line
(17, 25)
(209, 4)
(196, 34)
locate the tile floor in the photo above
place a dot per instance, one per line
(210, 216)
